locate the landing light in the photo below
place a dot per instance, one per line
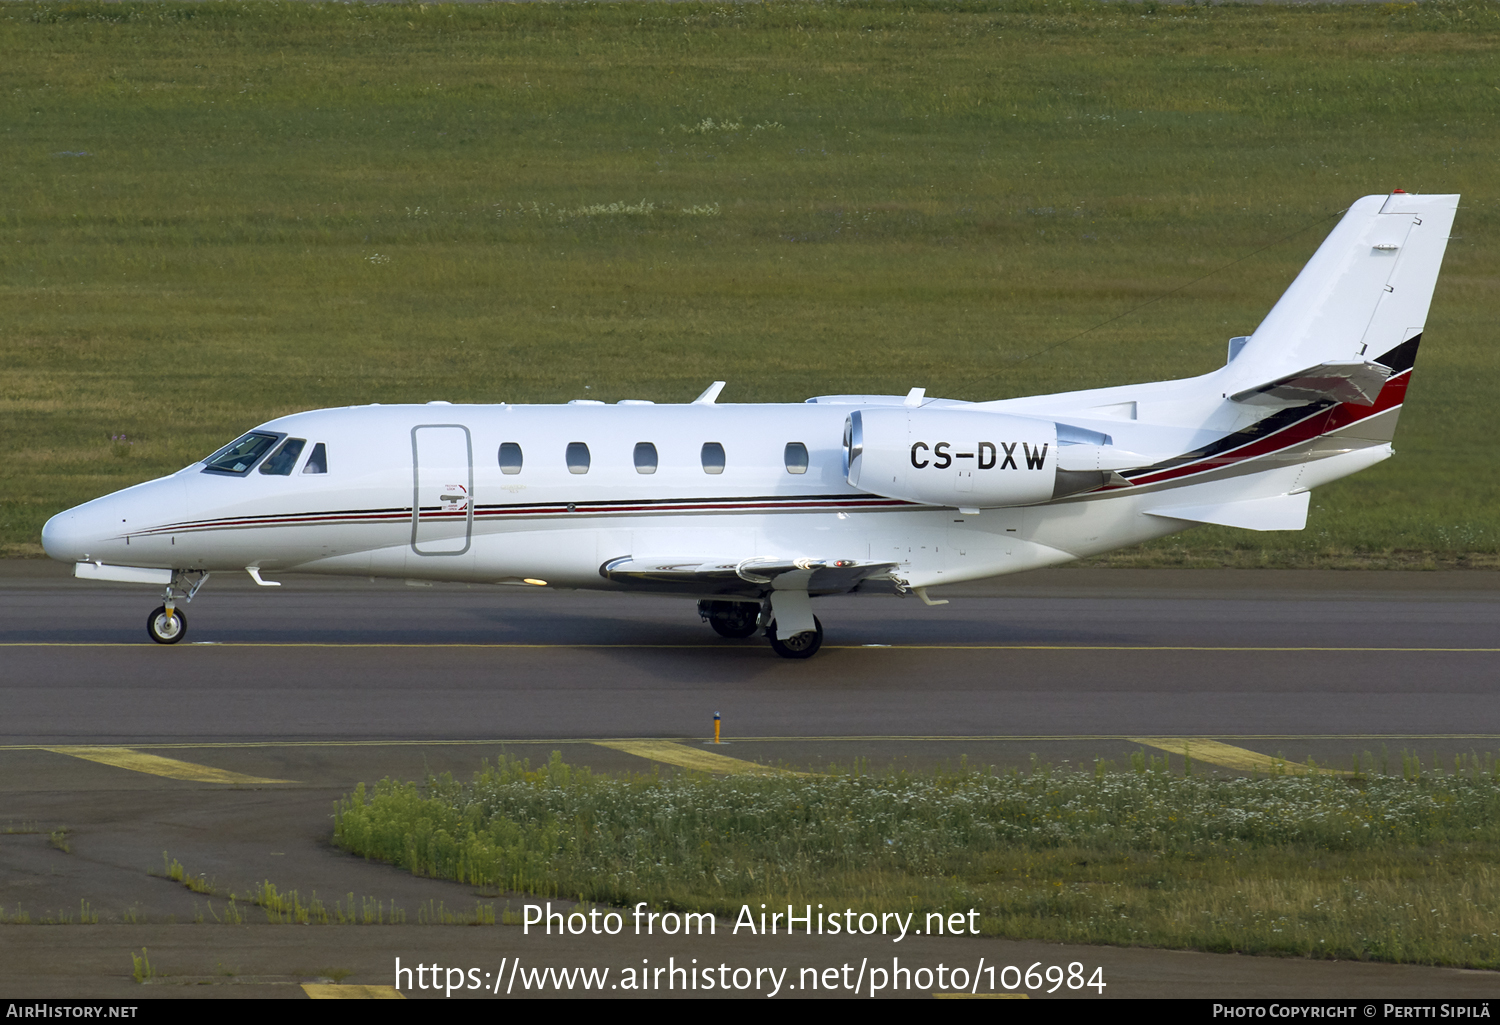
(534, 581)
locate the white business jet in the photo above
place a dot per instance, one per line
(755, 510)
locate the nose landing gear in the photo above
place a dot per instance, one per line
(166, 625)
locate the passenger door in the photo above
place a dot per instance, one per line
(442, 520)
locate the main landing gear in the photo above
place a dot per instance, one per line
(741, 619)
(166, 625)
(735, 619)
(802, 645)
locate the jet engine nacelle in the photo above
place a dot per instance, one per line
(953, 457)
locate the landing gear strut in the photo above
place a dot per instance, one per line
(166, 625)
(731, 618)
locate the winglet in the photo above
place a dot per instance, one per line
(710, 395)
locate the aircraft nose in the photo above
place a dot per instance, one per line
(100, 530)
(83, 532)
(62, 537)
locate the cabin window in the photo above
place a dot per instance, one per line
(239, 455)
(713, 457)
(796, 457)
(318, 461)
(645, 457)
(283, 461)
(510, 457)
(578, 457)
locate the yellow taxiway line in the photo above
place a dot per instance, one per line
(681, 753)
(1201, 749)
(329, 991)
(671, 753)
(156, 765)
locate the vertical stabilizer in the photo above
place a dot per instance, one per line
(1364, 293)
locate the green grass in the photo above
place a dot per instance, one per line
(1358, 866)
(287, 206)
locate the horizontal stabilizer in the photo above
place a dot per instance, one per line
(1283, 512)
(751, 576)
(1354, 381)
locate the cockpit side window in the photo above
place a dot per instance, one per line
(240, 455)
(318, 461)
(283, 461)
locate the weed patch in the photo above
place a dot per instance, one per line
(1350, 865)
(173, 870)
(141, 969)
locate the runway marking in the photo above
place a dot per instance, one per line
(1201, 749)
(327, 991)
(156, 765)
(739, 647)
(672, 753)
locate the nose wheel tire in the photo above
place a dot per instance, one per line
(803, 645)
(164, 630)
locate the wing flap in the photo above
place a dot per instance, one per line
(753, 576)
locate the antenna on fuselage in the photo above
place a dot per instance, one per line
(709, 396)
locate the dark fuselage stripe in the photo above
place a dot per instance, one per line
(646, 507)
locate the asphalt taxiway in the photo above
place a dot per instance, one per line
(228, 750)
(1060, 653)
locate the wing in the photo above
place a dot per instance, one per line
(753, 577)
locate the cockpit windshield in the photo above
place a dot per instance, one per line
(239, 456)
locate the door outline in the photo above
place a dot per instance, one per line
(416, 485)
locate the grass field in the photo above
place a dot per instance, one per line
(1363, 865)
(218, 213)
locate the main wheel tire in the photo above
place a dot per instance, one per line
(803, 645)
(164, 630)
(736, 619)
